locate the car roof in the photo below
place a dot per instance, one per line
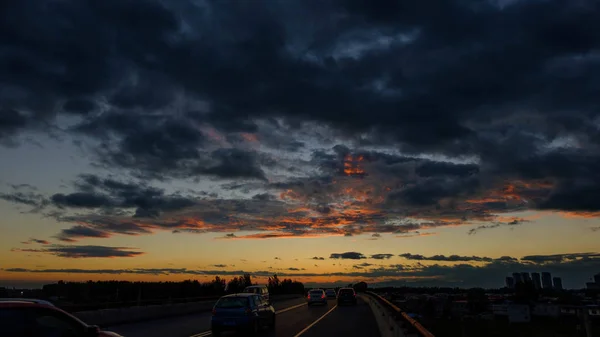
(255, 287)
(17, 304)
(27, 300)
(317, 290)
(239, 295)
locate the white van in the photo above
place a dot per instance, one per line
(260, 290)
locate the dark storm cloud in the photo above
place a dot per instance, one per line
(348, 256)
(381, 256)
(404, 82)
(27, 198)
(431, 191)
(79, 231)
(97, 192)
(234, 163)
(84, 251)
(432, 168)
(263, 196)
(182, 90)
(81, 200)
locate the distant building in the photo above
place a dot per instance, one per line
(517, 278)
(510, 282)
(537, 281)
(592, 285)
(546, 280)
(557, 283)
(526, 277)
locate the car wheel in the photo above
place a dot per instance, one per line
(215, 333)
(272, 325)
(255, 327)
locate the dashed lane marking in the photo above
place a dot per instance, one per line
(315, 322)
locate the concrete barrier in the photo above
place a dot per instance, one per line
(397, 322)
(388, 326)
(110, 317)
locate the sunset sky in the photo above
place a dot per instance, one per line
(390, 142)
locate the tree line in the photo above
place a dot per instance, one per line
(126, 291)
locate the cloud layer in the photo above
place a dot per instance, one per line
(573, 268)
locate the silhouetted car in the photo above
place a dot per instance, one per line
(244, 311)
(316, 296)
(330, 293)
(33, 318)
(346, 295)
(259, 290)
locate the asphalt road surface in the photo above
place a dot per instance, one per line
(294, 319)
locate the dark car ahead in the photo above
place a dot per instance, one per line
(246, 312)
(330, 293)
(346, 296)
(33, 318)
(316, 296)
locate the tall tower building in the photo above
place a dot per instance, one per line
(597, 278)
(526, 277)
(546, 280)
(510, 282)
(557, 283)
(537, 281)
(517, 278)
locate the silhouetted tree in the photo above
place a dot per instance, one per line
(246, 280)
(360, 287)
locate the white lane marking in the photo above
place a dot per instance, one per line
(315, 322)
(208, 333)
(202, 334)
(290, 308)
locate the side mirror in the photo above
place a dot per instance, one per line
(92, 331)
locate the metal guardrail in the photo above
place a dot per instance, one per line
(411, 322)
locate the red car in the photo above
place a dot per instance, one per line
(30, 318)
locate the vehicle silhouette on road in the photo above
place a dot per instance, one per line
(346, 296)
(243, 312)
(316, 296)
(26, 317)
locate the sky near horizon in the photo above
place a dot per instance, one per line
(389, 142)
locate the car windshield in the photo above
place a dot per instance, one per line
(346, 291)
(316, 292)
(232, 302)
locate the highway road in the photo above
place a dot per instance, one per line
(294, 319)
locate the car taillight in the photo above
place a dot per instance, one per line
(323, 296)
(214, 312)
(308, 296)
(354, 295)
(248, 311)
